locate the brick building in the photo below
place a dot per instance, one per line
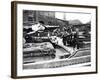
(48, 17)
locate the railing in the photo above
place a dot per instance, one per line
(59, 63)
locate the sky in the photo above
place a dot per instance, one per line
(83, 17)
